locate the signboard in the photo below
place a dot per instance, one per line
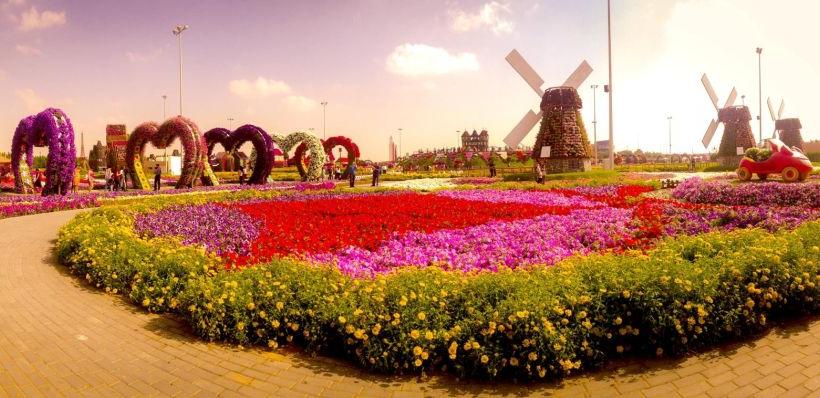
(545, 151)
(115, 133)
(740, 150)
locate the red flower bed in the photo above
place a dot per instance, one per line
(326, 225)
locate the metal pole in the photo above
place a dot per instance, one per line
(670, 137)
(609, 51)
(760, 91)
(164, 100)
(400, 152)
(595, 122)
(324, 119)
(230, 123)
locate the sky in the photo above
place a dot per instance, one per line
(431, 68)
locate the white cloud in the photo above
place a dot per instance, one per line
(299, 103)
(260, 88)
(137, 57)
(492, 15)
(421, 59)
(28, 50)
(33, 19)
(33, 102)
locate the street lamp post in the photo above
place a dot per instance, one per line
(178, 33)
(324, 119)
(400, 130)
(164, 100)
(230, 123)
(595, 122)
(759, 51)
(669, 118)
(609, 54)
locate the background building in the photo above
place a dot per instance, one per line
(475, 141)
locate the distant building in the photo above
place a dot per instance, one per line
(98, 158)
(475, 141)
(116, 139)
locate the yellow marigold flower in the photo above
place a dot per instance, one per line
(240, 326)
(425, 355)
(626, 293)
(359, 334)
(522, 314)
(514, 361)
(414, 334)
(250, 306)
(619, 349)
(280, 305)
(428, 335)
(750, 303)
(556, 347)
(618, 321)
(146, 302)
(274, 323)
(453, 349)
(476, 345)
(532, 356)
(422, 316)
(485, 359)
(342, 319)
(417, 350)
(376, 329)
(587, 324)
(417, 362)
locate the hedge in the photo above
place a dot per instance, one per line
(542, 322)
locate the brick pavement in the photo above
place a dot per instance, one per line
(59, 337)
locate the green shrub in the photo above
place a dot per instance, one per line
(685, 294)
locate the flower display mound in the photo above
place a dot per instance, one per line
(329, 144)
(232, 140)
(314, 147)
(50, 128)
(195, 151)
(685, 294)
(697, 190)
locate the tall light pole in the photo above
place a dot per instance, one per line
(324, 119)
(609, 54)
(595, 122)
(669, 118)
(230, 123)
(759, 51)
(178, 33)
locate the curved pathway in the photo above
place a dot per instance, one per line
(60, 337)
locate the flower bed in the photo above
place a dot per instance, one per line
(696, 190)
(535, 322)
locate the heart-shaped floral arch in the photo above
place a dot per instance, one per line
(50, 128)
(231, 141)
(313, 146)
(328, 145)
(194, 149)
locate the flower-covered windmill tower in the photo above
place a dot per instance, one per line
(737, 132)
(561, 145)
(788, 130)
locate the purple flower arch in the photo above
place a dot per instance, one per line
(194, 149)
(50, 128)
(231, 141)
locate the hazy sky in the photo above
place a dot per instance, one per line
(429, 67)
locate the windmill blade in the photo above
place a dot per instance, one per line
(771, 109)
(732, 97)
(582, 72)
(710, 132)
(520, 131)
(780, 111)
(710, 91)
(526, 71)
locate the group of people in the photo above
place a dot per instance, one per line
(116, 180)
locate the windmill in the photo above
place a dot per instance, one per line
(789, 129)
(562, 129)
(737, 132)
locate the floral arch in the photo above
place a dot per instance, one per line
(352, 151)
(231, 141)
(50, 128)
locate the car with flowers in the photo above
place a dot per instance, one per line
(791, 163)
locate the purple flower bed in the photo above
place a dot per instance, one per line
(218, 228)
(542, 240)
(696, 190)
(33, 204)
(539, 198)
(692, 222)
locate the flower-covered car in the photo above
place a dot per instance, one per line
(791, 163)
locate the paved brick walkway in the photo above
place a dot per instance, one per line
(59, 337)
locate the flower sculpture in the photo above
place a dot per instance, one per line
(328, 144)
(231, 141)
(313, 144)
(195, 151)
(50, 128)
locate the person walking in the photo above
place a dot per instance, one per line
(109, 179)
(492, 168)
(90, 177)
(351, 173)
(242, 176)
(157, 177)
(76, 181)
(376, 174)
(117, 178)
(539, 173)
(124, 179)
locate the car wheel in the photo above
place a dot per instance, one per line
(763, 177)
(803, 176)
(790, 174)
(743, 174)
